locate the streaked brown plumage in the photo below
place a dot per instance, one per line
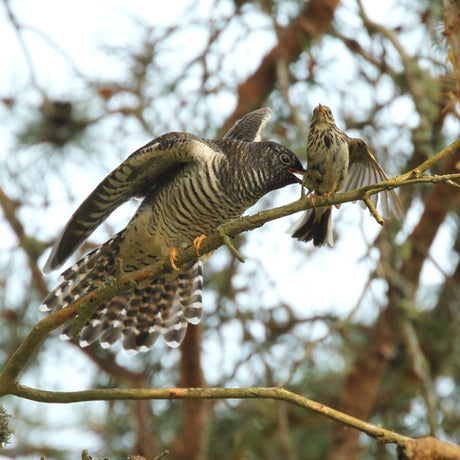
(337, 162)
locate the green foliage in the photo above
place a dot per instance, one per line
(5, 432)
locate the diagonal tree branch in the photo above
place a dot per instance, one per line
(125, 281)
(9, 383)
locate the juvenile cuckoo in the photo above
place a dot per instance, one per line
(190, 186)
(337, 162)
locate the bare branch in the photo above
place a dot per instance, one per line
(124, 281)
(279, 394)
(9, 383)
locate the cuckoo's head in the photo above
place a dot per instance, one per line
(282, 165)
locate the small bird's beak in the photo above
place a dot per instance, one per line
(294, 172)
(321, 109)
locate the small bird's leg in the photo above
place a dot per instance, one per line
(173, 257)
(313, 197)
(330, 195)
(198, 242)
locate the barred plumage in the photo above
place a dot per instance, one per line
(191, 186)
(337, 162)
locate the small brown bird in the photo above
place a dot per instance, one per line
(335, 162)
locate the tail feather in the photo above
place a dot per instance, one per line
(108, 326)
(81, 278)
(191, 292)
(141, 325)
(137, 318)
(173, 322)
(315, 224)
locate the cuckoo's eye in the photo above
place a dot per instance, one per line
(285, 159)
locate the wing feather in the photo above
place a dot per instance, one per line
(140, 173)
(364, 170)
(251, 127)
(156, 161)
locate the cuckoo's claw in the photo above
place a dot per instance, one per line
(198, 242)
(173, 258)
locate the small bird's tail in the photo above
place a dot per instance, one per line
(315, 224)
(137, 317)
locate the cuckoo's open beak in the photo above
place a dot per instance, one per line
(294, 172)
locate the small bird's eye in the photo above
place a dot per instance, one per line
(285, 159)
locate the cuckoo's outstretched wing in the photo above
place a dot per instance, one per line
(139, 173)
(364, 170)
(250, 128)
(155, 162)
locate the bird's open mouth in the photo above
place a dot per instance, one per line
(296, 172)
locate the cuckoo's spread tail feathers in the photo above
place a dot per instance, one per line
(137, 318)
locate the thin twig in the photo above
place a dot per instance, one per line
(420, 367)
(373, 210)
(228, 242)
(18, 30)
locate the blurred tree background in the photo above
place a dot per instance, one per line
(370, 327)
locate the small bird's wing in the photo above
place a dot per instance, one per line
(250, 128)
(156, 161)
(364, 170)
